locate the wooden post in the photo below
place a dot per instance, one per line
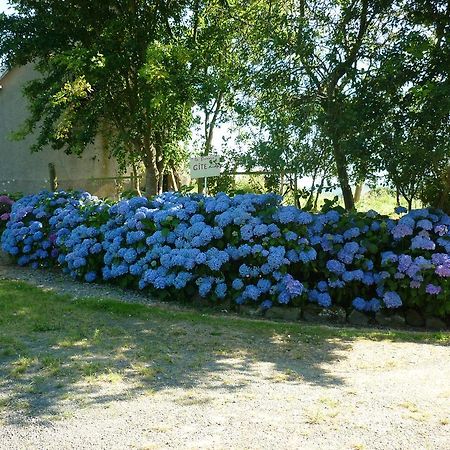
(358, 192)
(53, 179)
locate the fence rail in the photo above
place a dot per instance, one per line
(100, 186)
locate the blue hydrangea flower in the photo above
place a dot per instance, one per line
(335, 266)
(400, 210)
(392, 299)
(359, 304)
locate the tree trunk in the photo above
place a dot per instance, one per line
(281, 185)
(136, 183)
(443, 201)
(161, 186)
(409, 204)
(177, 178)
(53, 179)
(358, 192)
(342, 172)
(173, 185)
(151, 181)
(151, 175)
(310, 201)
(296, 196)
(319, 191)
(151, 169)
(160, 168)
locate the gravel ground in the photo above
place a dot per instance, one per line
(362, 395)
(63, 284)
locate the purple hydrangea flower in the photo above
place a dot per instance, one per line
(425, 224)
(433, 289)
(441, 230)
(423, 243)
(401, 230)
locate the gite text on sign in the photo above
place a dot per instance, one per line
(204, 166)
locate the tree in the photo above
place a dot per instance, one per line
(426, 98)
(348, 87)
(316, 57)
(121, 66)
(286, 144)
(405, 105)
(219, 66)
(312, 55)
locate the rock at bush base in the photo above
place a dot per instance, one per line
(200, 302)
(251, 310)
(311, 313)
(358, 318)
(335, 314)
(414, 318)
(434, 323)
(278, 312)
(390, 320)
(5, 258)
(315, 313)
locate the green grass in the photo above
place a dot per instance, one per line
(383, 201)
(307, 333)
(56, 349)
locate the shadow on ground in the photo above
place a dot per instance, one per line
(55, 351)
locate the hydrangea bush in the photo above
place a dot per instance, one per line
(5, 210)
(246, 249)
(31, 231)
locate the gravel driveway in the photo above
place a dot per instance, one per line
(341, 394)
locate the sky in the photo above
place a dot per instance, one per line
(3, 5)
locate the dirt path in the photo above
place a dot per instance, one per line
(378, 396)
(247, 392)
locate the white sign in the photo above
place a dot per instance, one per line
(205, 166)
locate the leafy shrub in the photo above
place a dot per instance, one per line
(436, 189)
(243, 249)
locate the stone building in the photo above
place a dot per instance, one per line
(26, 172)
